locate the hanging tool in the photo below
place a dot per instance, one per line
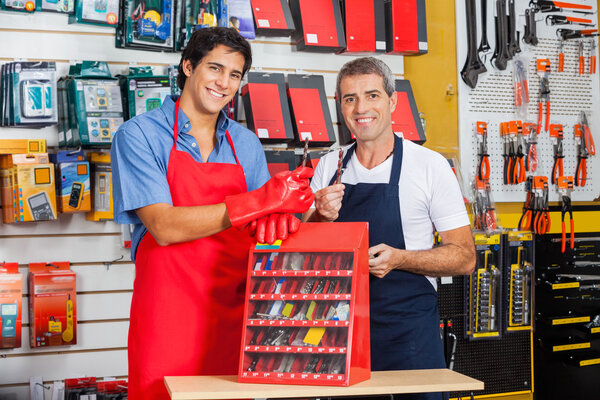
(557, 136)
(565, 187)
(483, 209)
(541, 214)
(516, 165)
(561, 56)
(585, 148)
(566, 34)
(484, 46)
(521, 85)
(543, 68)
(513, 41)
(581, 58)
(544, 6)
(530, 129)
(562, 20)
(530, 35)
(501, 55)
(151, 24)
(526, 220)
(592, 69)
(473, 65)
(507, 152)
(483, 166)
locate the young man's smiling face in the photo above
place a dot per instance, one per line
(215, 80)
(366, 107)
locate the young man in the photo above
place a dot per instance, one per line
(184, 175)
(403, 190)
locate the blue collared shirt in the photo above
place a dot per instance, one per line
(140, 156)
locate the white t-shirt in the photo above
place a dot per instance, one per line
(430, 197)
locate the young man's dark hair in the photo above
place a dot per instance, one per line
(204, 40)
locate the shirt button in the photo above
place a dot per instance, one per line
(187, 125)
(193, 144)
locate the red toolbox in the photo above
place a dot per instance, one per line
(306, 318)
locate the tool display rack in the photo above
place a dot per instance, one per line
(479, 353)
(306, 317)
(567, 331)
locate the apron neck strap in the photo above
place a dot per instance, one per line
(397, 160)
(176, 133)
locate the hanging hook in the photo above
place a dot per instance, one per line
(44, 386)
(108, 264)
(77, 150)
(52, 265)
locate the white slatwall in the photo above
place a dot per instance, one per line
(104, 292)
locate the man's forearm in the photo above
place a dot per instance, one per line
(169, 225)
(444, 260)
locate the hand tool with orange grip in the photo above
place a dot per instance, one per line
(544, 6)
(566, 34)
(565, 187)
(506, 155)
(517, 164)
(563, 20)
(592, 69)
(541, 214)
(561, 56)
(521, 85)
(526, 220)
(585, 147)
(543, 68)
(483, 209)
(581, 58)
(530, 130)
(483, 166)
(556, 136)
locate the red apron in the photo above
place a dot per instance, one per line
(188, 299)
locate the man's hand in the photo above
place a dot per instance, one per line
(383, 259)
(328, 201)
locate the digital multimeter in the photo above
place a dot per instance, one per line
(76, 194)
(9, 313)
(41, 210)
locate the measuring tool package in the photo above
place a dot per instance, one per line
(28, 6)
(266, 107)
(484, 289)
(96, 12)
(52, 304)
(61, 6)
(94, 106)
(29, 94)
(197, 14)
(142, 91)
(101, 179)
(72, 181)
(11, 293)
(147, 25)
(28, 192)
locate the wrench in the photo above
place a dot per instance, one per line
(473, 65)
(484, 46)
(501, 56)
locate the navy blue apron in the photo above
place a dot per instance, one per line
(404, 312)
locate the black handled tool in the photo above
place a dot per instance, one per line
(484, 46)
(501, 56)
(473, 66)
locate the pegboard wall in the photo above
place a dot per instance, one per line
(492, 101)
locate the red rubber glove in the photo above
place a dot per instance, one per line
(275, 226)
(286, 192)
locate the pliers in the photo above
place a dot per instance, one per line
(544, 98)
(567, 207)
(557, 135)
(545, 6)
(483, 167)
(586, 147)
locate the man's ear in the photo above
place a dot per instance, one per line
(187, 68)
(393, 101)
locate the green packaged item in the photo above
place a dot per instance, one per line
(96, 12)
(146, 24)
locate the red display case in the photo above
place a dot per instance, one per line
(306, 318)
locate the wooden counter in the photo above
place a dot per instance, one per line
(381, 382)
